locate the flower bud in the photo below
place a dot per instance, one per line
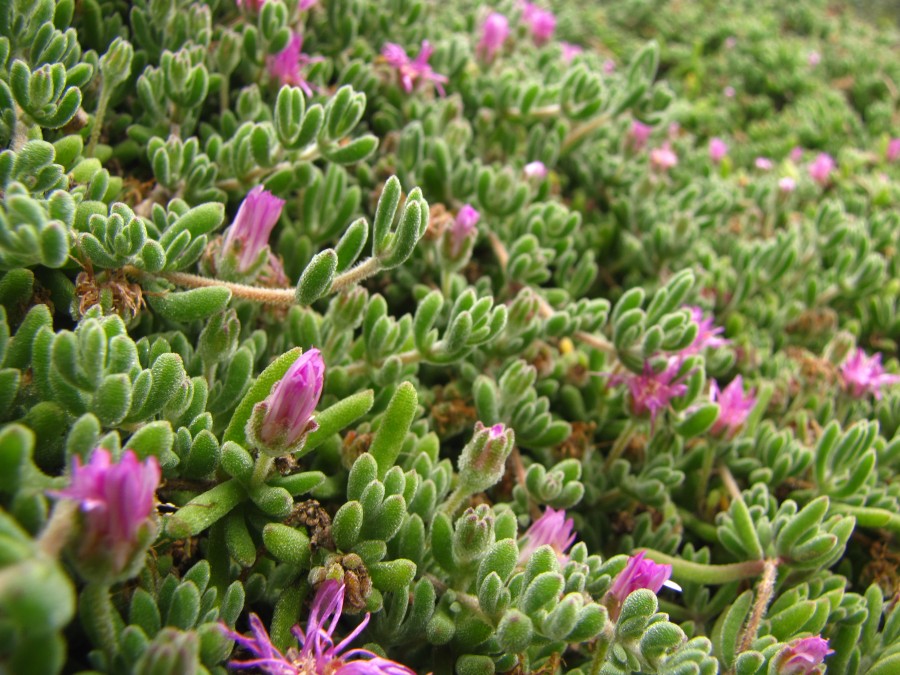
(535, 170)
(117, 505)
(821, 167)
(278, 425)
(458, 239)
(482, 461)
(494, 32)
(717, 150)
(803, 656)
(474, 534)
(639, 573)
(244, 247)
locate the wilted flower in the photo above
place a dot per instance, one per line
(117, 501)
(803, 656)
(288, 409)
(652, 392)
(763, 164)
(553, 529)
(318, 654)
(639, 573)
(250, 230)
(864, 374)
(707, 333)
(717, 149)
(411, 70)
(787, 184)
(494, 32)
(638, 134)
(734, 407)
(821, 167)
(541, 21)
(663, 158)
(535, 170)
(287, 64)
(570, 51)
(893, 149)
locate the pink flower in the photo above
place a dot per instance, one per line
(318, 653)
(542, 22)
(250, 230)
(893, 149)
(306, 4)
(652, 392)
(787, 184)
(796, 154)
(289, 408)
(730, 42)
(729, 92)
(763, 164)
(285, 67)
(717, 149)
(570, 51)
(117, 501)
(865, 375)
(663, 158)
(494, 32)
(463, 228)
(256, 5)
(639, 573)
(707, 333)
(821, 167)
(814, 58)
(734, 407)
(609, 66)
(409, 71)
(638, 134)
(553, 529)
(535, 170)
(803, 656)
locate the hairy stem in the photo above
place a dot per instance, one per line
(58, 529)
(99, 114)
(284, 297)
(97, 611)
(355, 274)
(763, 597)
(261, 469)
(581, 131)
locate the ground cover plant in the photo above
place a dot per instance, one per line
(392, 336)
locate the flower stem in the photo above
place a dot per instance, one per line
(261, 469)
(581, 131)
(604, 640)
(58, 529)
(685, 570)
(354, 275)
(621, 443)
(763, 597)
(454, 501)
(283, 297)
(99, 114)
(97, 612)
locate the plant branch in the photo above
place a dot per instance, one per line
(283, 297)
(685, 570)
(355, 274)
(763, 597)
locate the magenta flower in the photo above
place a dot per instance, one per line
(117, 501)
(865, 375)
(638, 134)
(763, 164)
(893, 149)
(463, 228)
(535, 170)
(803, 656)
(707, 333)
(409, 71)
(787, 184)
(494, 32)
(553, 529)
(570, 51)
(288, 409)
(250, 230)
(286, 66)
(318, 654)
(717, 149)
(652, 392)
(304, 5)
(821, 167)
(542, 22)
(734, 407)
(663, 158)
(639, 573)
